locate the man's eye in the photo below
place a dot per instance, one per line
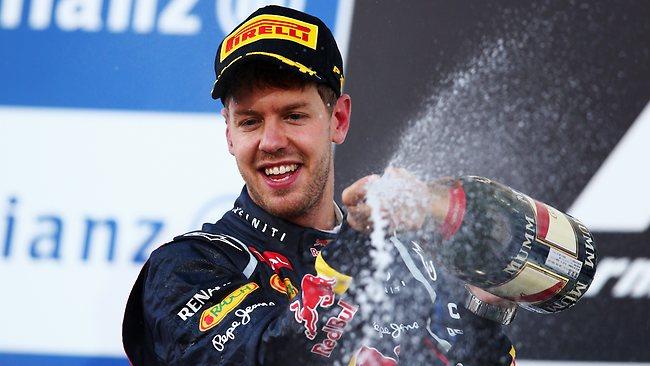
(295, 116)
(248, 122)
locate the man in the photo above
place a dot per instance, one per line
(265, 284)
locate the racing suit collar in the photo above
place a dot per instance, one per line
(254, 220)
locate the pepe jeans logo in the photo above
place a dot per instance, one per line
(244, 317)
(395, 330)
(270, 27)
(214, 315)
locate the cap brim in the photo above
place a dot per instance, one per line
(223, 78)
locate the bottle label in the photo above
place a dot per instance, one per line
(537, 283)
(531, 285)
(554, 228)
(563, 263)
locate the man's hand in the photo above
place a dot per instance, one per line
(354, 198)
(404, 201)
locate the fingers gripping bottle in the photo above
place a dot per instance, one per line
(511, 245)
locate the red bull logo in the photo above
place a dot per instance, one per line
(318, 245)
(316, 292)
(369, 356)
(334, 328)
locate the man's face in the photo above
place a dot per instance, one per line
(282, 142)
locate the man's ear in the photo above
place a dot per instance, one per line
(226, 117)
(340, 120)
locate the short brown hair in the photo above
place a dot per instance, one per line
(252, 74)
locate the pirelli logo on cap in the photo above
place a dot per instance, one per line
(270, 27)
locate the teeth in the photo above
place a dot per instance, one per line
(277, 170)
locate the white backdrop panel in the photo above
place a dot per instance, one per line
(71, 180)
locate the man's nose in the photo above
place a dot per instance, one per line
(273, 137)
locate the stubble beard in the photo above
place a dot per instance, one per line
(313, 193)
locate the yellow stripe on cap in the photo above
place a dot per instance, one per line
(324, 270)
(302, 68)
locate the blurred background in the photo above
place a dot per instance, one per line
(110, 145)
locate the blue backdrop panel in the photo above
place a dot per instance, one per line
(140, 62)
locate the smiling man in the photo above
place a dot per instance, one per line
(282, 141)
(265, 284)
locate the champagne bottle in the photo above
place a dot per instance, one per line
(511, 245)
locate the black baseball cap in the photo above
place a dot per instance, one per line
(284, 36)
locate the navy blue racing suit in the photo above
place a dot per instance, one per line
(254, 289)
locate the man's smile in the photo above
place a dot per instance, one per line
(280, 175)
